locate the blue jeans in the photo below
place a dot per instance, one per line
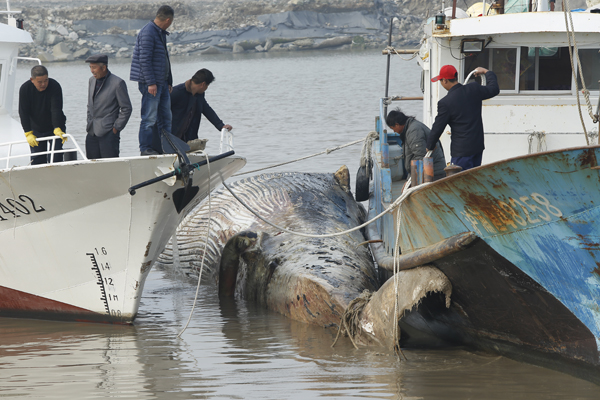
(467, 162)
(156, 110)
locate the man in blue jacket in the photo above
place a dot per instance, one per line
(151, 68)
(188, 103)
(461, 109)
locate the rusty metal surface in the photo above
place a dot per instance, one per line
(427, 254)
(540, 212)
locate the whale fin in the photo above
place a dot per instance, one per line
(230, 260)
(342, 178)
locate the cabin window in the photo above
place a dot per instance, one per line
(502, 61)
(540, 68)
(545, 68)
(590, 65)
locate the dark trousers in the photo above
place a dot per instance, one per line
(106, 146)
(467, 162)
(44, 146)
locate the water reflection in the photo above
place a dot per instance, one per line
(234, 350)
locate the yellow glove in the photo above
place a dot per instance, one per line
(58, 132)
(31, 139)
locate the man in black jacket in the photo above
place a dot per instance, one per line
(461, 109)
(40, 109)
(188, 103)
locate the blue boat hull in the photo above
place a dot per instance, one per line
(529, 286)
(496, 306)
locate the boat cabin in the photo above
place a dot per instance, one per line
(536, 109)
(11, 38)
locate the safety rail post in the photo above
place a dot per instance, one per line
(416, 172)
(428, 169)
(386, 176)
(52, 148)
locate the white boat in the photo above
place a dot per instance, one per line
(78, 238)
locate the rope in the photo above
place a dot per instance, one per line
(350, 321)
(392, 206)
(541, 144)
(301, 158)
(365, 153)
(203, 253)
(406, 190)
(573, 46)
(392, 48)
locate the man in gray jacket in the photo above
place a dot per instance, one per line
(414, 135)
(108, 110)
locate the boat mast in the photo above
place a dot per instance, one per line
(387, 73)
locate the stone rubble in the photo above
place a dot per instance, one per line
(64, 30)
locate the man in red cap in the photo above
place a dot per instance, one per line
(461, 109)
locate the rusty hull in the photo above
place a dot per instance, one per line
(530, 284)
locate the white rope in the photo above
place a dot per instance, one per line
(328, 235)
(483, 80)
(406, 190)
(392, 48)
(301, 158)
(205, 249)
(541, 141)
(392, 206)
(367, 147)
(573, 47)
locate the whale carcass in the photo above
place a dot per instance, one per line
(305, 278)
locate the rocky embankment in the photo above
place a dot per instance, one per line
(64, 30)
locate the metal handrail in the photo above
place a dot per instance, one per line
(52, 151)
(30, 59)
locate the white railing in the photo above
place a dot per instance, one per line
(52, 151)
(226, 141)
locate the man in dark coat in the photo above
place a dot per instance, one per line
(188, 103)
(40, 109)
(461, 109)
(151, 68)
(414, 136)
(108, 110)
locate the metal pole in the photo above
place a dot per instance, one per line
(387, 73)
(428, 172)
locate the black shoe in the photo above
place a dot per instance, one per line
(149, 152)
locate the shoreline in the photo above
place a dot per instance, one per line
(70, 32)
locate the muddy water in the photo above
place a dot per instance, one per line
(282, 107)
